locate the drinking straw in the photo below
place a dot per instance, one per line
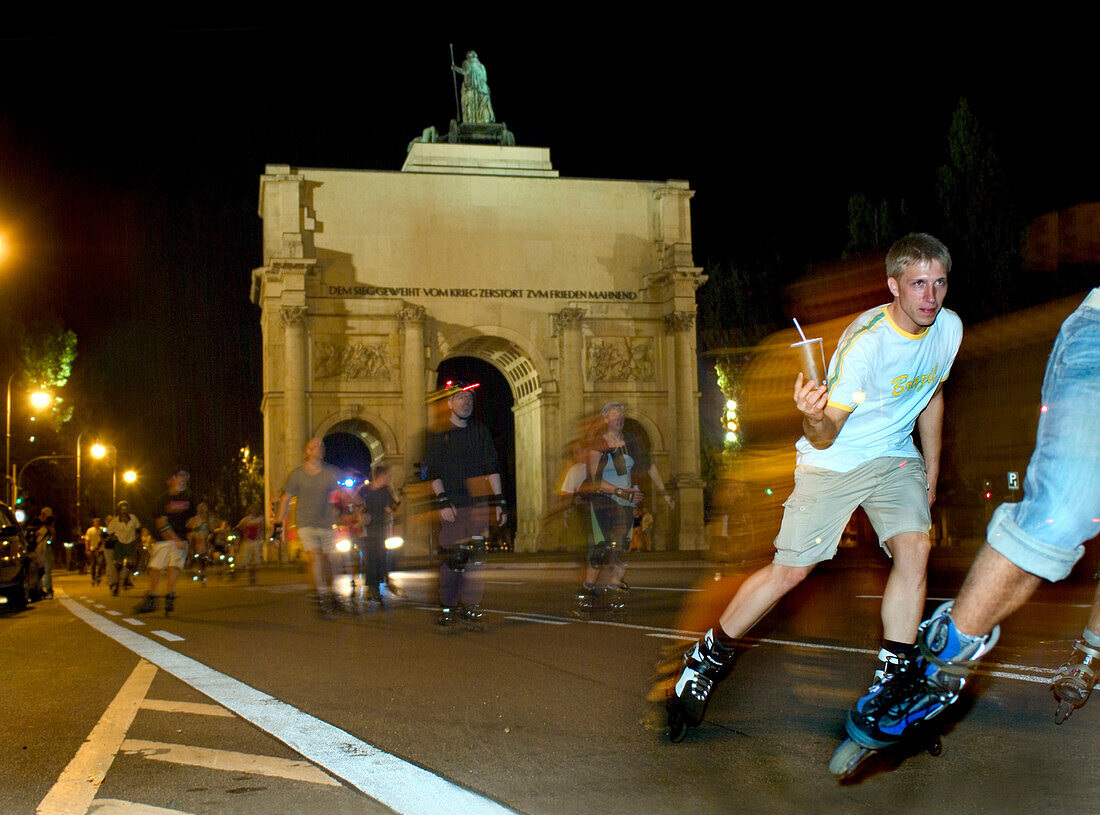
(796, 325)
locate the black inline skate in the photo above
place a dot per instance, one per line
(703, 665)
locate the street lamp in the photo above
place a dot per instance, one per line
(100, 451)
(39, 399)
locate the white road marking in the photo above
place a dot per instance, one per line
(526, 619)
(229, 761)
(77, 785)
(100, 605)
(113, 806)
(402, 786)
(133, 621)
(950, 599)
(686, 637)
(114, 613)
(197, 708)
(168, 636)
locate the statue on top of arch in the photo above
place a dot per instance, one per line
(477, 108)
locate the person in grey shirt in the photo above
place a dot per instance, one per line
(314, 484)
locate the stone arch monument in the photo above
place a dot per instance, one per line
(578, 291)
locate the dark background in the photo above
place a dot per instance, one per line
(129, 165)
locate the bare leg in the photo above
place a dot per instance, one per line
(906, 588)
(758, 595)
(154, 579)
(170, 583)
(1094, 617)
(994, 588)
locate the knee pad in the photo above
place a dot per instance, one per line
(599, 555)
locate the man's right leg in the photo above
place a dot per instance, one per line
(758, 595)
(149, 604)
(708, 659)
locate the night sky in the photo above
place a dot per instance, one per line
(129, 166)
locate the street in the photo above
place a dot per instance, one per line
(244, 701)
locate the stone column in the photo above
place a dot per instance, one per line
(294, 383)
(410, 323)
(567, 323)
(686, 483)
(414, 523)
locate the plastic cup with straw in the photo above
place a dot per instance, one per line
(811, 355)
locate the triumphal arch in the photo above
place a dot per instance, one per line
(578, 291)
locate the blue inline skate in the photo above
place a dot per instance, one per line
(921, 689)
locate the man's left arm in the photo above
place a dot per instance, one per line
(930, 429)
(502, 512)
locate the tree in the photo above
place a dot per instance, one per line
(872, 225)
(48, 351)
(240, 485)
(981, 224)
(739, 305)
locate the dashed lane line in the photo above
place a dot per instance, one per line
(167, 636)
(398, 784)
(229, 761)
(1040, 675)
(526, 619)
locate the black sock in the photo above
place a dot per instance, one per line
(720, 637)
(900, 648)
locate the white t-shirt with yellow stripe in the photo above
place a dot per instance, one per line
(884, 377)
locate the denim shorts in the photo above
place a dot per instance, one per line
(892, 491)
(1044, 534)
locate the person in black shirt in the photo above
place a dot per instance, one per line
(461, 464)
(378, 505)
(175, 512)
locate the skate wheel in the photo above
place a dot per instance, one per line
(848, 758)
(935, 749)
(1063, 712)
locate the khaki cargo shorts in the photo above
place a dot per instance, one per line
(892, 491)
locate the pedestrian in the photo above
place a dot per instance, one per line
(1038, 539)
(857, 450)
(616, 459)
(462, 466)
(251, 527)
(123, 530)
(315, 484)
(175, 512)
(43, 533)
(378, 505)
(93, 541)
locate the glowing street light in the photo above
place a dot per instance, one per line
(39, 400)
(129, 477)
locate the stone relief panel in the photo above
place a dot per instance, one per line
(354, 359)
(619, 359)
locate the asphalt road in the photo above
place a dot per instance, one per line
(244, 701)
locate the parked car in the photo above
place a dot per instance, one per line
(19, 582)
